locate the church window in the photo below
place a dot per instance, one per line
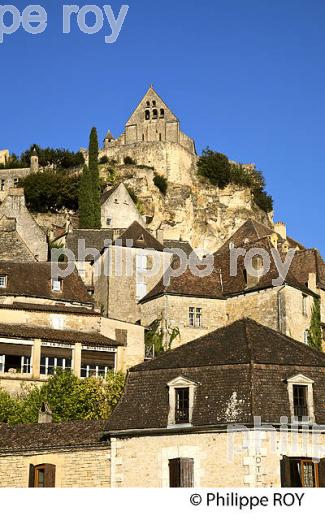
(154, 103)
(162, 113)
(155, 114)
(148, 103)
(3, 183)
(147, 115)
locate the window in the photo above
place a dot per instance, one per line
(302, 472)
(15, 364)
(2, 363)
(16, 181)
(182, 405)
(195, 317)
(50, 364)
(94, 370)
(3, 281)
(109, 221)
(304, 304)
(147, 115)
(3, 185)
(56, 285)
(301, 399)
(25, 365)
(181, 473)
(181, 401)
(148, 103)
(42, 476)
(155, 114)
(162, 113)
(300, 407)
(154, 103)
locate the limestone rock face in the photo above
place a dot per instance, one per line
(194, 211)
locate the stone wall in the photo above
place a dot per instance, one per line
(133, 352)
(213, 466)
(74, 468)
(10, 178)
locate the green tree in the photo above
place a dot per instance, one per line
(94, 173)
(215, 166)
(50, 191)
(315, 331)
(86, 203)
(69, 398)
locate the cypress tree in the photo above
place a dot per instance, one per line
(315, 331)
(86, 205)
(94, 174)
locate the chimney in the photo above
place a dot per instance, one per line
(281, 229)
(44, 414)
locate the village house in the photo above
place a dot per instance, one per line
(48, 322)
(10, 177)
(194, 306)
(239, 407)
(118, 211)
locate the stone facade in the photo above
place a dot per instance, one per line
(118, 210)
(4, 156)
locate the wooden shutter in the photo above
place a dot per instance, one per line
(321, 473)
(285, 472)
(181, 473)
(31, 477)
(49, 475)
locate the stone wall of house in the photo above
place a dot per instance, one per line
(34, 237)
(10, 178)
(133, 352)
(220, 460)
(68, 321)
(89, 467)
(121, 285)
(119, 211)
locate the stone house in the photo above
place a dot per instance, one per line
(239, 407)
(22, 239)
(197, 305)
(48, 322)
(66, 455)
(127, 270)
(9, 178)
(118, 211)
(220, 411)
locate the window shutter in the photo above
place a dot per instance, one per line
(285, 472)
(181, 473)
(49, 475)
(174, 473)
(31, 477)
(321, 473)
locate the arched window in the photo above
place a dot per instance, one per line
(154, 103)
(148, 103)
(162, 113)
(159, 137)
(155, 114)
(147, 115)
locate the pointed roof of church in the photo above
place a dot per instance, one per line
(151, 93)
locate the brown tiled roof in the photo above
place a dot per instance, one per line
(34, 279)
(179, 244)
(250, 232)
(240, 371)
(94, 238)
(55, 308)
(62, 336)
(222, 284)
(140, 237)
(34, 437)
(14, 248)
(107, 194)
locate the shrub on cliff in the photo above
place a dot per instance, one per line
(215, 166)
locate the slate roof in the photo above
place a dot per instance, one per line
(107, 194)
(34, 437)
(94, 238)
(13, 248)
(33, 279)
(61, 336)
(140, 237)
(54, 308)
(240, 371)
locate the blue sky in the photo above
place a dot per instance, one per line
(245, 77)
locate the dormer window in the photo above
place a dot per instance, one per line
(3, 281)
(181, 401)
(301, 398)
(56, 285)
